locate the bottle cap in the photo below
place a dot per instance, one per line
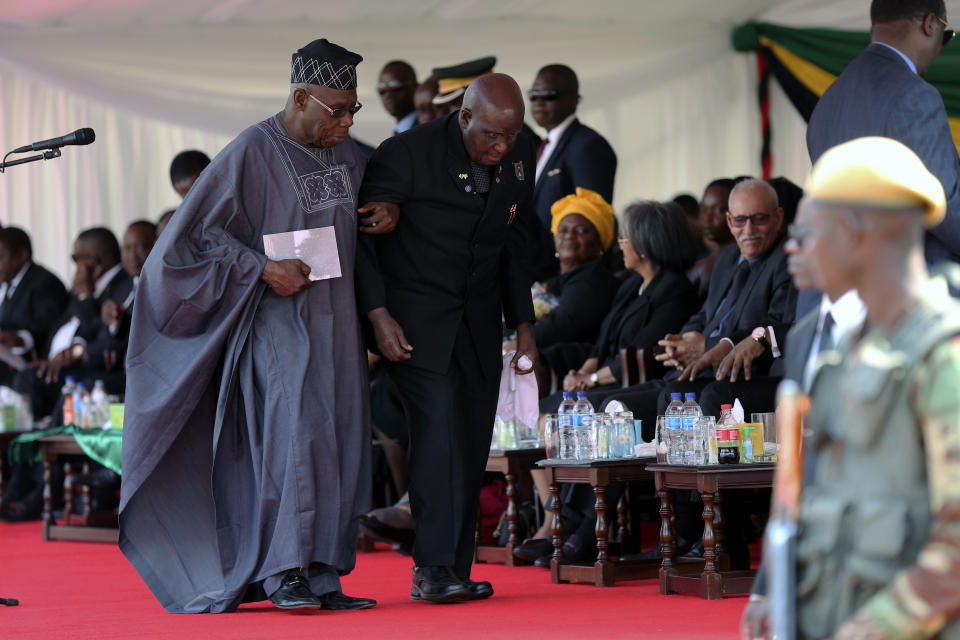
(689, 396)
(726, 406)
(581, 394)
(675, 396)
(70, 380)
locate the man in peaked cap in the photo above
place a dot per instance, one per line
(453, 81)
(878, 554)
(247, 440)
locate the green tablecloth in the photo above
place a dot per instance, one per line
(102, 445)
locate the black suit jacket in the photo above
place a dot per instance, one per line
(35, 306)
(88, 311)
(584, 296)
(453, 258)
(582, 158)
(641, 320)
(767, 299)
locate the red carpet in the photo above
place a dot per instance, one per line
(88, 590)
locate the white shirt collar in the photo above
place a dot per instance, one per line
(909, 62)
(105, 279)
(406, 123)
(19, 277)
(848, 313)
(554, 134)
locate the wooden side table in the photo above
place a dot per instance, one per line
(598, 474)
(514, 464)
(83, 527)
(713, 582)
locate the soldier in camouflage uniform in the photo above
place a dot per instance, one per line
(878, 554)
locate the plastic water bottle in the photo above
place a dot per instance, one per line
(81, 406)
(100, 405)
(68, 389)
(583, 424)
(674, 415)
(692, 441)
(568, 443)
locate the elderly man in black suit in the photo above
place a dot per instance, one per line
(435, 290)
(571, 155)
(749, 308)
(31, 298)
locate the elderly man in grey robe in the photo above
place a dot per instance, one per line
(247, 437)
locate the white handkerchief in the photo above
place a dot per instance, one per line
(737, 411)
(317, 248)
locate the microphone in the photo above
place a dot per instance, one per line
(80, 136)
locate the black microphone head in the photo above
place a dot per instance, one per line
(85, 136)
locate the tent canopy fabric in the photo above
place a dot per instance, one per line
(659, 79)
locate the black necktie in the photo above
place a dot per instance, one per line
(736, 285)
(826, 334)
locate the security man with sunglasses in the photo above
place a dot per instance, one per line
(571, 155)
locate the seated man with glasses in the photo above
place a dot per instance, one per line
(881, 93)
(571, 155)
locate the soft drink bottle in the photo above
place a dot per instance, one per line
(69, 386)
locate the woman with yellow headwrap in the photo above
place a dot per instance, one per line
(571, 305)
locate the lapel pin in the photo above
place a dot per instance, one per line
(463, 176)
(468, 188)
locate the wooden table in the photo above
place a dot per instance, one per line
(515, 465)
(83, 527)
(715, 580)
(604, 572)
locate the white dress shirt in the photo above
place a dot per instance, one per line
(552, 138)
(848, 313)
(66, 335)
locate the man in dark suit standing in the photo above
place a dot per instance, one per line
(571, 155)
(443, 278)
(881, 94)
(31, 298)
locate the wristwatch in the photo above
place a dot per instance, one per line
(594, 378)
(760, 335)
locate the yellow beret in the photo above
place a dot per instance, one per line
(591, 206)
(877, 172)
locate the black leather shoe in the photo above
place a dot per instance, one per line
(438, 584)
(576, 550)
(337, 601)
(294, 593)
(696, 551)
(479, 590)
(533, 548)
(543, 561)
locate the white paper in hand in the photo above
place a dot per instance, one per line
(317, 248)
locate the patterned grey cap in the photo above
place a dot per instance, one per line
(326, 64)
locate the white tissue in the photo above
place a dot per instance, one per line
(524, 363)
(737, 411)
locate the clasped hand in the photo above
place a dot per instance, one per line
(286, 277)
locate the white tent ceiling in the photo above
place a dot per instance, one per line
(658, 78)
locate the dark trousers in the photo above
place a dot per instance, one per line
(451, 418)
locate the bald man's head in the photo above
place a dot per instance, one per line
(491, 117)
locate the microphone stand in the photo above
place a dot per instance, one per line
(46, 155)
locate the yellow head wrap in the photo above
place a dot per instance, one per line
(591, 206)
(877, 172)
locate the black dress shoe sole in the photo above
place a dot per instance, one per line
(349, 607)
(298, 605)
(441, 598)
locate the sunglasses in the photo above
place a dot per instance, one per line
(338, 112)
(948, 33)
(391, 86)
(757, 219)
(547, 95)
(798, 233)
